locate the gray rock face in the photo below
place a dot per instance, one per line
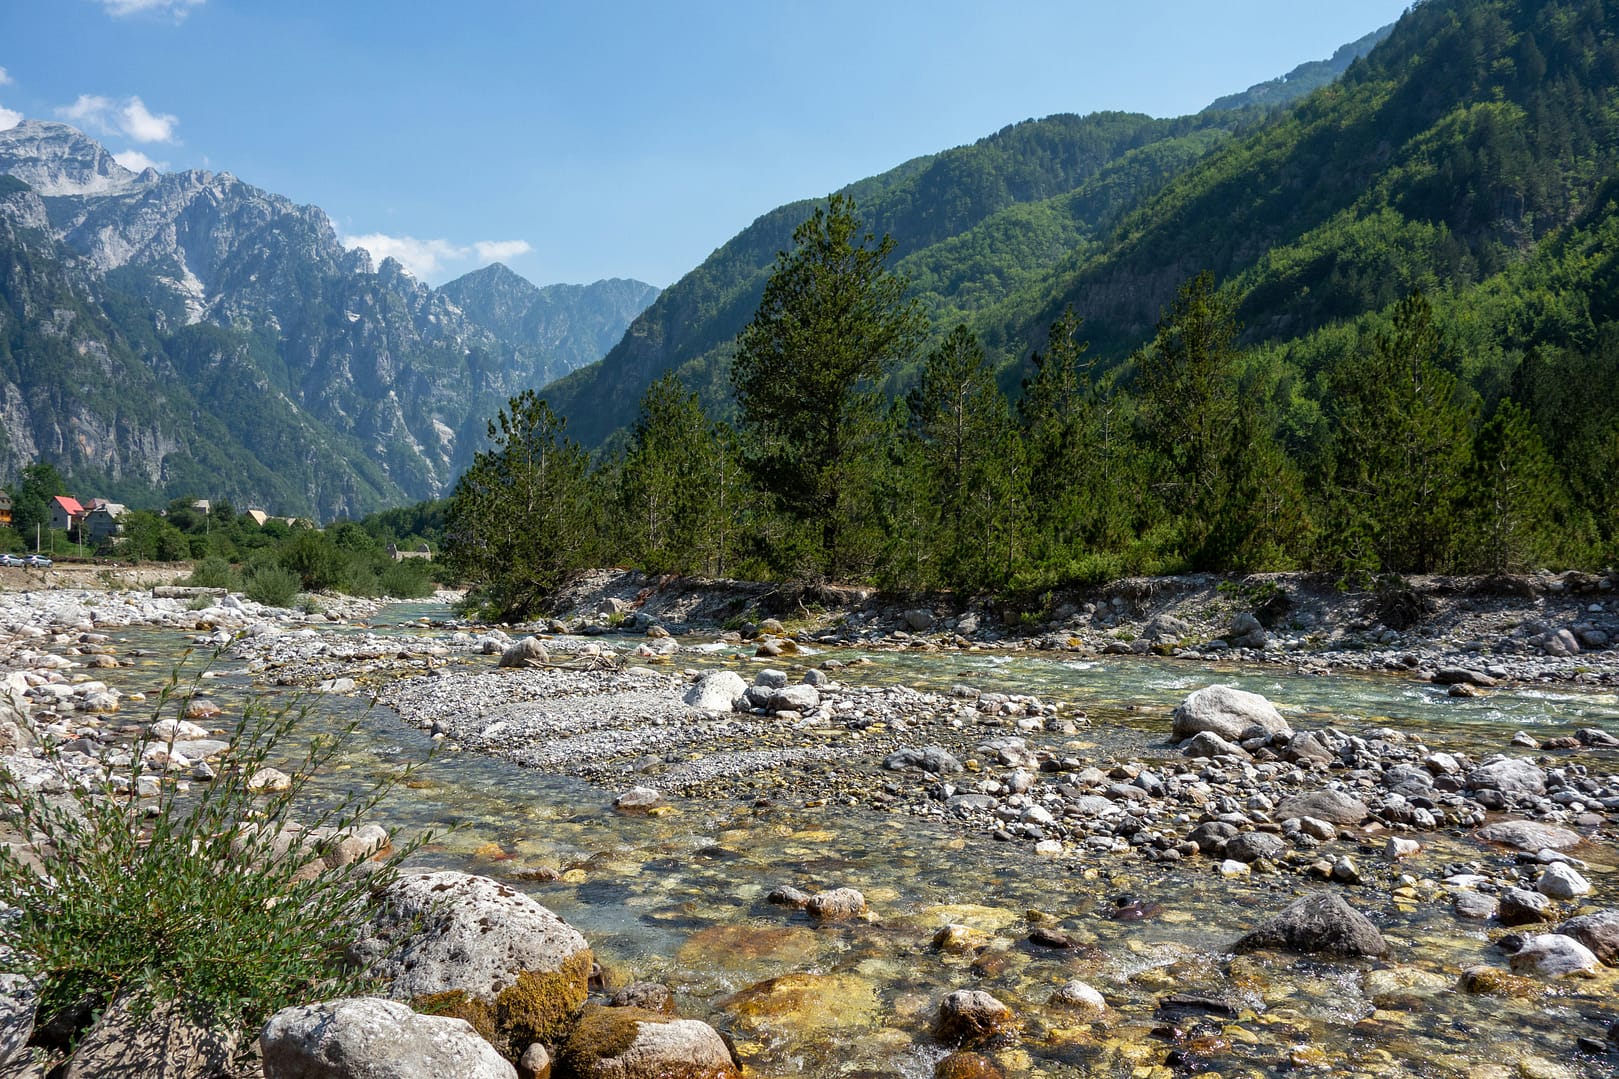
(55, 159)
(373, 1038)
(1598, 932)
(1510, 776)
(1552, 955)
(437, 932)
(1318, 924)
(1326, 804)
(528, 652)
(1529, 835)
(1230, 713)
(19, 996)
(161, 1043)
(717, 691)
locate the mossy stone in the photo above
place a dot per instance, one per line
(541, 1005)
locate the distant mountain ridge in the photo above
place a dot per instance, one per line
(1306, 78)
(243, 351)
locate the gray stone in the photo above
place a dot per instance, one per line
(799, 698)
(1325, 804)
(770, 678)
(1528, 835)
(1229, 712)
(1522, 907)
(1209, 744)
(716, 691)
(1318, 924)
(528, 652)
(1251, 846)
(374, 1038)
(919, 619)
(1462, 676)
(1475, 906)
(836, 905)
(1080, 996)
(1562, 881)
(438, 932)
(1510, 775)
(1552, 955)
(1598, 932)
(638, 800)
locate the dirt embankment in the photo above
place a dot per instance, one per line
(1572, 618)
(92, 575)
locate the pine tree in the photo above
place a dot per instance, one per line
(667, 489)
(1517, 492)
(957, 419)
(832, 323)
(1403, 444)
(524, 515)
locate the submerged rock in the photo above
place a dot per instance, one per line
(1318, 924)
(971, 1017)
(1529, 835)
(839, 904)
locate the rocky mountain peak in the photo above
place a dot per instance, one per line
(55, 159)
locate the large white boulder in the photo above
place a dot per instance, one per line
(374, 1038)
(1231, 713)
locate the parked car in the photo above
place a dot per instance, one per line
(37, 561)
(10, 560)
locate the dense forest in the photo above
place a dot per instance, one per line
(1178, 460)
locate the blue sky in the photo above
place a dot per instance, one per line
(576, 141)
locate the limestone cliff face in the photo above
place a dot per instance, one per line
(190, 328)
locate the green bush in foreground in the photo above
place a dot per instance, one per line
(188, 897)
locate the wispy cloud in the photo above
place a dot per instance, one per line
(178, 8)
(5, 77)
(430, 258)
(495, 250)
(135, 161)
(9, 118)
(129, 117)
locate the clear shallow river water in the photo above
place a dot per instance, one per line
(680, 898)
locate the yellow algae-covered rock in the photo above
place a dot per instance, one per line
(629, 1043)
(802, 1003)
(741, 947)
(972, 915)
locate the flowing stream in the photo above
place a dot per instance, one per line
(680, 898)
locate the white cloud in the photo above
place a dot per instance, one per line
(131, 118)
(427, 258)
(5, 77)
(178, 8)
(135, 161)
(9, 118)
(496, 250)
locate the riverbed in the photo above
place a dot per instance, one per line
(679, 896)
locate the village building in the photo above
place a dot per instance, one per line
(101, 521)
(66, 513)
(5, 507)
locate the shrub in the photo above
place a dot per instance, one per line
(191, 897)
(272, 586)
(406, 580)
(214, 572)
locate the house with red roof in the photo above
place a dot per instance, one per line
(66, 513)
